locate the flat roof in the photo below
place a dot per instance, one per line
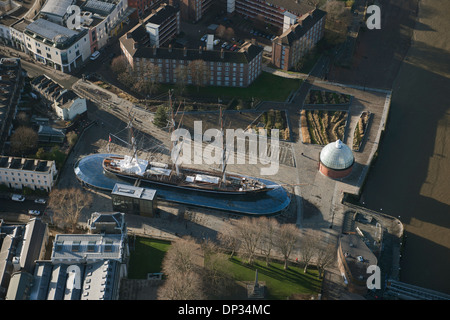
(49, 30)
(133, 192)
(56, 7)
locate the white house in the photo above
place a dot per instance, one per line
(68, 105)
(56, 45)
(23, 172)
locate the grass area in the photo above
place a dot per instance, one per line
(147, 257)
(267, 87)
(280, 283)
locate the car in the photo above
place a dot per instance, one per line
(34, 212)
(228, 47)
(224, 45)
(41, 201)
(216, 42)
(95, 55)
(204, 37)
(18, 197)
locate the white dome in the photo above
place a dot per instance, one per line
(337, 156)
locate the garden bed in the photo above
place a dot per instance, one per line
(322, 127)
(323, 97)
(361, 130)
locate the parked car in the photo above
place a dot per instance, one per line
(18, 197)
(224, 45)
(41, 201)
(34, 212)
(95, 55)
(204, 38)
(234, 47)
(216, 42)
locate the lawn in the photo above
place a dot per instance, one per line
(280, 283)
(267, 87)
(147, 257)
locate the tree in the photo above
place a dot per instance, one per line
(229, 33)
(72, 138)
(161, 118)
(228, 240)
(220, 31)
(147, 79)
(182, 264)
(249, 232)
(126, 77)
(119, 64)
(270, 228)
(23, 140)
(286, 239)
(325, 254)
(67, 205)
(308, 245)
(199, 72)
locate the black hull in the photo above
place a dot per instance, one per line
(167, 185)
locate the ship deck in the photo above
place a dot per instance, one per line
(89, 171)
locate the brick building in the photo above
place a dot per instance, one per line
(295, 42)
(194, 10)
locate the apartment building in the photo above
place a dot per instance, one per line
(18, 173)
(295, 42)
(162, 25)
(223, 68)
(142, 6)
(194, 10)
(279, 13)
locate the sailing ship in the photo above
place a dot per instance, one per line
(176, 176)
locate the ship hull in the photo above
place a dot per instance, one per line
(202, 189)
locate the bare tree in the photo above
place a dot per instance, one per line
(182, 286)
(249, 232)
(147, 79)
(67, 205)
(182, 265)
(127, 77)
(286, 240)
(325, 254)
(23, 140)
(228, 240)
(220, 31)
(199, 72)
(270, 228)
(119, 64)
(308, 246)
(229, 33)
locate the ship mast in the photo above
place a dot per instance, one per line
(223, 148)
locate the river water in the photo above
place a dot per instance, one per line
(411, 176)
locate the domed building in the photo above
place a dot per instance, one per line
(336, 160)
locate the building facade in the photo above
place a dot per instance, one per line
(57, 46)
(295, 42)
(274, 12)
(194, 10)
(18, 173)
(162, 25)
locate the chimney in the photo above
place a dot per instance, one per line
(185, 51)
(253, 41)
(154, 50)
(222, 53)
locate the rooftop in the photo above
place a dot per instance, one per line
(56, 7)
(68, 248)
(25, 164)
(337, 155)
(133, 192)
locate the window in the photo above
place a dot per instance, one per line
(76, 246)
(91, 246)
